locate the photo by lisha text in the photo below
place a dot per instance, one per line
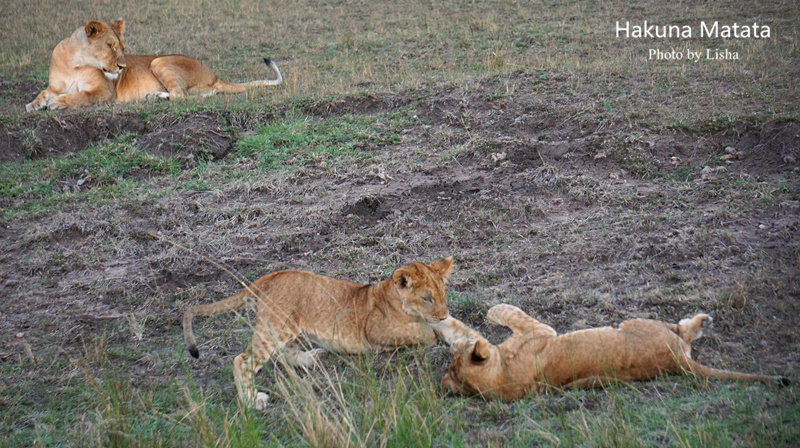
(713, 30)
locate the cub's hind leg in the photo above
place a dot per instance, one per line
(519, 322)
(264, 344)
(592, 382)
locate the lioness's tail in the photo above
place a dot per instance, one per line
(226, 87)
(706, 372)
(233, 302)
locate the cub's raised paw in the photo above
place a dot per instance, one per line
(497, 313)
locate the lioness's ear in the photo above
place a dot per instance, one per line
(94, 29)
(443, 267)
(403, 279)
(118, 26)
(480, 352)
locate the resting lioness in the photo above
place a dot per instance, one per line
(342, 316)
(90, 67)
(535, 358)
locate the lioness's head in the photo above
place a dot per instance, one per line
(421, 289)
(474, 369)
(104, 48)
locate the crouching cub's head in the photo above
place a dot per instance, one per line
(421, 288)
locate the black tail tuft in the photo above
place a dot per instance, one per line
(194, 352)
(267, 61)
(783, 381)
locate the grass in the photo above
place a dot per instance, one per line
(393, 47)
(100, 173)
(299, 142)
(563, 171)
(393, 400)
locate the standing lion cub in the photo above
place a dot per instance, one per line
(535, 358)
(91, 67)
(407, 309)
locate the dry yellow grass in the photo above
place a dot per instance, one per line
(336, 48)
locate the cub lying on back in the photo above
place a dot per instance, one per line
(90, 67)
(342, 316)
(535, 358)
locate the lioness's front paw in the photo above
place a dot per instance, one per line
(262, 400)
(56, 103)
(32, 106)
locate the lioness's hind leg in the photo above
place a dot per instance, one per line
(182, 75)
(157, 96)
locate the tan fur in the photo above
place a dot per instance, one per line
(342, 316)
(535, 357)
(90, 67)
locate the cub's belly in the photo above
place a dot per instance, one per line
(339, 343)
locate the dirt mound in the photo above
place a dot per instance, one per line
(190, 139)
(764, 150)
(359, 105)
(370, 208)
(64, 134)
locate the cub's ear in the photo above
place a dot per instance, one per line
(403, 279)
(94, 29)
(443, 267)
(480, 352)
(118, 26)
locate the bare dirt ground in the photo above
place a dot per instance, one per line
(579, 222)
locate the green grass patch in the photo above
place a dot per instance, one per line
(332, 142)
(100, 172)
(712, 414)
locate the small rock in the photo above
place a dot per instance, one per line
(708, 172)
(790, 160)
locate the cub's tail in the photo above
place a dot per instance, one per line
(226, 87)
(233, 302)
(706, 372)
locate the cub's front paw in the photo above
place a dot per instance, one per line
(262, 401)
